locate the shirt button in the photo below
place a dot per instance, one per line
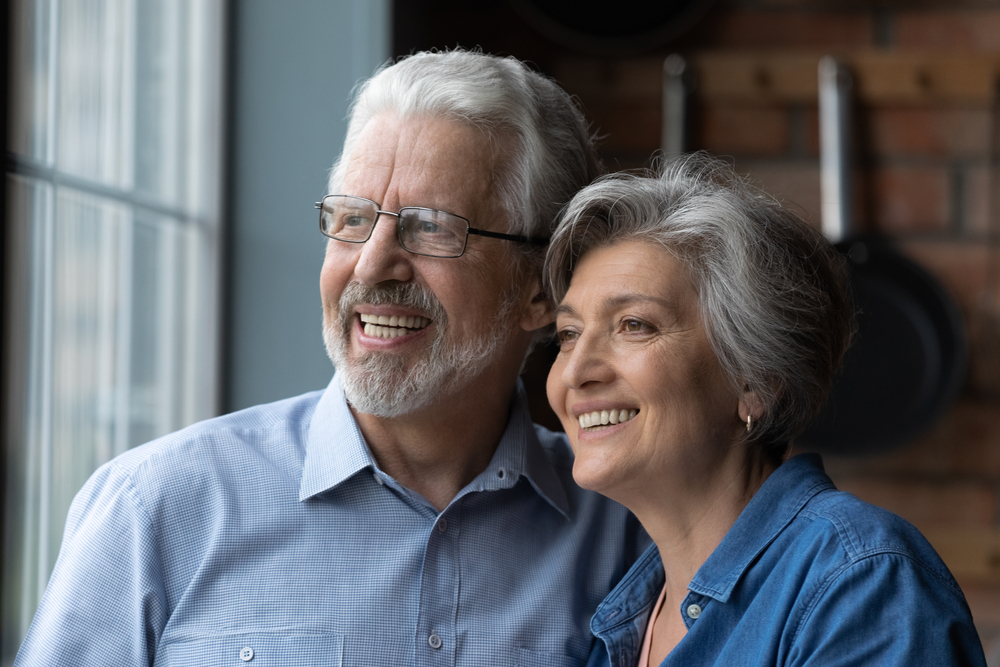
(434, 641)
(442, 525)
(694, 611)
(378, 479)
(246, 654)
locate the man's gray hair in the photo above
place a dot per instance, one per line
(544, 149)
(773, 293)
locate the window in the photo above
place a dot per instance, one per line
(113, 185)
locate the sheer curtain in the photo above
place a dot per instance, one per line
(113, 182)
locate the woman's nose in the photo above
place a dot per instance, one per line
(382, 258)
(589, 363)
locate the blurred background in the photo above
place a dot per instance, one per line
(161, 254)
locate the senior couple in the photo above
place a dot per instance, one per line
(411, 513)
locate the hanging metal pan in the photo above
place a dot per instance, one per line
(908, 360)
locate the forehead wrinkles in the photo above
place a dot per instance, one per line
(431, 162)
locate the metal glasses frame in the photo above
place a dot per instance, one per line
(469, 229)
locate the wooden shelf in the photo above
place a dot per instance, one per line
(880, 76)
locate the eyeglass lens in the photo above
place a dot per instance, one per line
(421, 230)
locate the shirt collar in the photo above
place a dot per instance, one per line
(335, 448)
(772, 508)
(336, 451)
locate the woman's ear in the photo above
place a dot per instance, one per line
(537, 309)
(750, 405)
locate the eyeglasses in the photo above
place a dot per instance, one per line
(422, 231)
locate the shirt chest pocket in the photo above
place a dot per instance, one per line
(529, 658)
(254, 650)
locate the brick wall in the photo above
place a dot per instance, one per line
(924, 177)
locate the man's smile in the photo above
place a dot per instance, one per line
(391, 326)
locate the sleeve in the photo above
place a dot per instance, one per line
(105, 602)
(887, 610)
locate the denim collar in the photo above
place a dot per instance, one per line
(772, 508)
(336, 451)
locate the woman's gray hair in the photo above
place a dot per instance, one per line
(773, 293)
(544, 148)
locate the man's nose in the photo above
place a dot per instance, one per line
(382, 257)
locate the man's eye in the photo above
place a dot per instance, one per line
(355, 221)
(427, 227)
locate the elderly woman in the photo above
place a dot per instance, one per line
(700, 326)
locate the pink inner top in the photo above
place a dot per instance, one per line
(648, 639)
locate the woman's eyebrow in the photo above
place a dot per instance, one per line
(619, 300)
(566, 309)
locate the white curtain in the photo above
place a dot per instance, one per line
(113, 215)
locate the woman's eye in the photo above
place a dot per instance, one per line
(635, 326)
(565, 336)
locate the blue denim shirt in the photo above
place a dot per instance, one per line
(807, 575)
(271, 537)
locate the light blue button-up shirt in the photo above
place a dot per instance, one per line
(807, 576)
(271, 537)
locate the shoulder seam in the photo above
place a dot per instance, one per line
(853, 562)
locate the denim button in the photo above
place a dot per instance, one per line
(694, 611)
(434, 641)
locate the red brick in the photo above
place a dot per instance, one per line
(931, 131)
(744, 130)
(633, 125)
(984, 601)
(811, 120)
(776, 29)
(794, 183)
(953, 30)
(602, 80)
(965, 443)
(909, 199)
(960, 266)
(866, 4)
(927, 503)
(978, 207)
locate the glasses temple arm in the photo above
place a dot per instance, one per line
(509, 237)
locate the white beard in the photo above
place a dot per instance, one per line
(379, 384)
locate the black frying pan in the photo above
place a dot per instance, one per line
(908, 360)
(611, 29)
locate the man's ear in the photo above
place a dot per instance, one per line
(537, 309)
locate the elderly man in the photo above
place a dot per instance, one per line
(410, 513)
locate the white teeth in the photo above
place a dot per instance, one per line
(605, 417)
(392, 326)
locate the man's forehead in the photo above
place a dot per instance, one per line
(419, 158)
